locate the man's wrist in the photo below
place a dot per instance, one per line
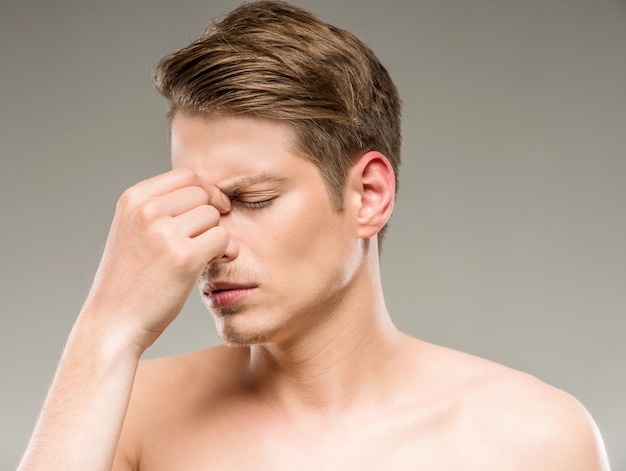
(95, 331)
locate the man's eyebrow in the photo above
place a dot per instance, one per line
(237, 186)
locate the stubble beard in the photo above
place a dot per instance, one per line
(227, 331)
(233, 336)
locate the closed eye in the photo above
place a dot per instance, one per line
(253, 204)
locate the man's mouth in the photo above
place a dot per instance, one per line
(223, 293)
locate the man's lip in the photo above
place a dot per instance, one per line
(210, 287)
(221, 294)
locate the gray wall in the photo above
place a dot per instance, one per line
(509, 235)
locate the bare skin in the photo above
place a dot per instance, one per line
(435, 409)
(321, 378)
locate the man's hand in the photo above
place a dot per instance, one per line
(164, 232)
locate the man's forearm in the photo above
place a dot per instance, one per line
(164, 232)
(80, 423)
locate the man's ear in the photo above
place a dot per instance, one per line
(371, 187)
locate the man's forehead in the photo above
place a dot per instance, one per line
(224, 133)
(235, 152)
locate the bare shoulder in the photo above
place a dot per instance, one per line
(168, 393)
(205, 370)
(176, 382)
(516, 416)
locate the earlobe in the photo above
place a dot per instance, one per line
(373, 183)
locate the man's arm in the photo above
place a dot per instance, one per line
(164, 232)
(81, 420)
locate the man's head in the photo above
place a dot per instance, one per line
(272, 60)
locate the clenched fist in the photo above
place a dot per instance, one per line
(164, 232)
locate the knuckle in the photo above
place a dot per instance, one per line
(129, 197)
(163, 234)
(148, 210)
(182, 257)
(177, 253)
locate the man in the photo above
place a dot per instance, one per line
(285, 150)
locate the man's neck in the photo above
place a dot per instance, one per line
(337, 364)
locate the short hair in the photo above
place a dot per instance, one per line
(273, 60)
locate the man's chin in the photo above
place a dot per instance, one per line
(242, 341)
(231, 336)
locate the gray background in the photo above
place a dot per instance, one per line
(508, 239)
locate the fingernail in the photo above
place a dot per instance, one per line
(226, 200)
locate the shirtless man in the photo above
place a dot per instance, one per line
(285, 150)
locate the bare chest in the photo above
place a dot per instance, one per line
(398, 443)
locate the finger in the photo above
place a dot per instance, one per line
(216, 197)
(182, 200)
(197, 220)
(213, 243)
(179, 178)
(169, 181)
